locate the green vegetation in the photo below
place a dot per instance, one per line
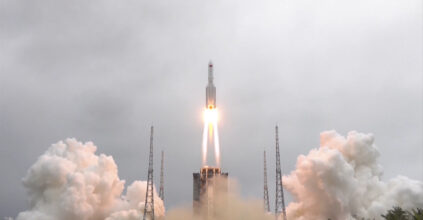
(397, 213)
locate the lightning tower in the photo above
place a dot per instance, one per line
(161, 192)
(149, 194)
(266, 191)
(279, 199)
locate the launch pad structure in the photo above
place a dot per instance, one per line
(210, 187)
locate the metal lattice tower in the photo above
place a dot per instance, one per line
(266, 191)
(149, 194)
(161, 192)
(279, 200)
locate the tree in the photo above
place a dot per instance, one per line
(396, 213)
(416, 214)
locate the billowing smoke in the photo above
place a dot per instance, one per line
(69, 181)
(342, 180)
(224, 206)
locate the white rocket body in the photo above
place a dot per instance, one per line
(210, 90)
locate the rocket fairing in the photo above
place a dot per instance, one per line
(210, 90)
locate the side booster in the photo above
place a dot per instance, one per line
(210, 90)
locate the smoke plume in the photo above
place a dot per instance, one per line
(69, 181)
(226, 205)
(342, 180)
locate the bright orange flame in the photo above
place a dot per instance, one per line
(210, 130)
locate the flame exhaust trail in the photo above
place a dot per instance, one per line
(204, 145)
(211, 135)
(216, 145)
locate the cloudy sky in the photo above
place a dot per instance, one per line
(105, 70)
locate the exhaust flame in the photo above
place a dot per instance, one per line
(211, 135)
(204, 145)
(216, 145)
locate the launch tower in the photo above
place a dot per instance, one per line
(209, 188)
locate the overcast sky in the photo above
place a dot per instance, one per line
(105, 70)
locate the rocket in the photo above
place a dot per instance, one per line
(210, 90)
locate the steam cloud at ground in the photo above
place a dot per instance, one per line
(342, 180)
(226, 205)
(69, 181)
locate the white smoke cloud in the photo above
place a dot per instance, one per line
(69, 181)
(342, 180)
(230, 206)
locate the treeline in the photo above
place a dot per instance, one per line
(397, 213)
